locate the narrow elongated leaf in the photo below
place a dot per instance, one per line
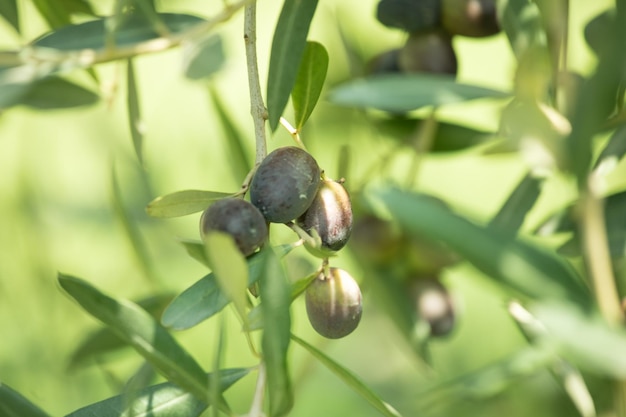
(162, 400)
(534, 272)
(404, 92)
(55, 16)
(53, 93)
(613, 152)
(142, 332)
(511, 215)
(182, 203)
(288, 47)
(309, 82)
(229, 268)
(135, 123)
(521, 21)
(275, 301)
(195, 249)
(203, 58)
(14, 404)
(350, 379)
(9, 11)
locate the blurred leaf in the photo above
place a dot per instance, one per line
(105, 341)
(195, 249)
(288, 47)
(47, 94)
(162, 400)
(613, 152)
(142, 332)
(521, 21)
(182, 203)
(448, 137)
(403, 92)
(203, 57)
(55, 16)
(532, 271)
(9, 11)
(135, 123)
(13, 404)
(574, 384)
(598, 30)
(275, 301)
(350, 379)
(229, 268)
(309, 82)
(140, 379)
(511, 215)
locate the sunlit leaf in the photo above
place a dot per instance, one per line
(511, 215)
(135, 123)
(203, 58)
(162, 400)
(404, 92)
(182, 203)
(9, 11)
(526, 268)
(521, 21)
(135, 326)
(309, 82)
(288, 47)
(14, 404)
(275, 301)
(350, 379)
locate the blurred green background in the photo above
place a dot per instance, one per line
(57, 213)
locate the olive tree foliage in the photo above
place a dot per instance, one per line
(566, 300)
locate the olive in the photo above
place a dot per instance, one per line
(428, 52)
(434, 305)
(238, 218)
(409, 15)
(330, 215)
(333, 304)
(375, 240)
(384, 63)
(285, 184)
(474, 18)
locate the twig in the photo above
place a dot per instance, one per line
(293, 132)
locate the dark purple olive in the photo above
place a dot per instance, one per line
(238, 218)
(410, 15)
(333, 304)
(434, 305)
(384, 63)
(375, 240)
(330, 215)
(285, 184)
(430, 52)
(474, 18)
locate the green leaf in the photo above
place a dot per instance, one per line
(135, 123)
(521, 21)
(613, 152)
(135, 326)
(288, 47)
(350, 379)
(182, 203)
(51, 93)
(105, 341)
(511, 215)
(203, 58)
(404, 92)
(275, 295)
(195, 249)
(13, 404)
(309, 82)
(526, 268)
(449, 137)
(9, 11)
(162, 400)
(229, 268)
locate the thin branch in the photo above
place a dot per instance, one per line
(293, 132)
(256, 409)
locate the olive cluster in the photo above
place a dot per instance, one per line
(289, 187)
(431, 25)
(416, 264)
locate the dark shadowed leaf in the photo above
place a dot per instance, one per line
(13, 404)
(288, 47)
(511, 215)
(350, 379)
(203, 58)
(135, 326)
(162, 400)
(182, 203)
(55, 93)
(528, 269)
(8, 10)
(309, 82)
(404, 92)
(135, 123)
(275, 293)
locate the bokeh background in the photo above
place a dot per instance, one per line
(59, 213)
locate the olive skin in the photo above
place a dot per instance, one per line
(472, 18)
(333, 304)
(285, 184)
(430, 52)
(238, 218)
(384, 63)
(330, 215)
(434, 305)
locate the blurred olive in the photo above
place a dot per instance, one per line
(410, 15)
(430, 52)
(474, 18)
(434, 305)
(384, 63)
(375, 240)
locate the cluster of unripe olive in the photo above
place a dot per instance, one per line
(289, 187)
(431, 25)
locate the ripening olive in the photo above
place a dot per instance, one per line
(409, 15)
(285, 184)
(375, 240)
(428, 52)
(333, 304)
(475, 18)
(240, 219)
(384, 63)
(330, 215)
(434, 305)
